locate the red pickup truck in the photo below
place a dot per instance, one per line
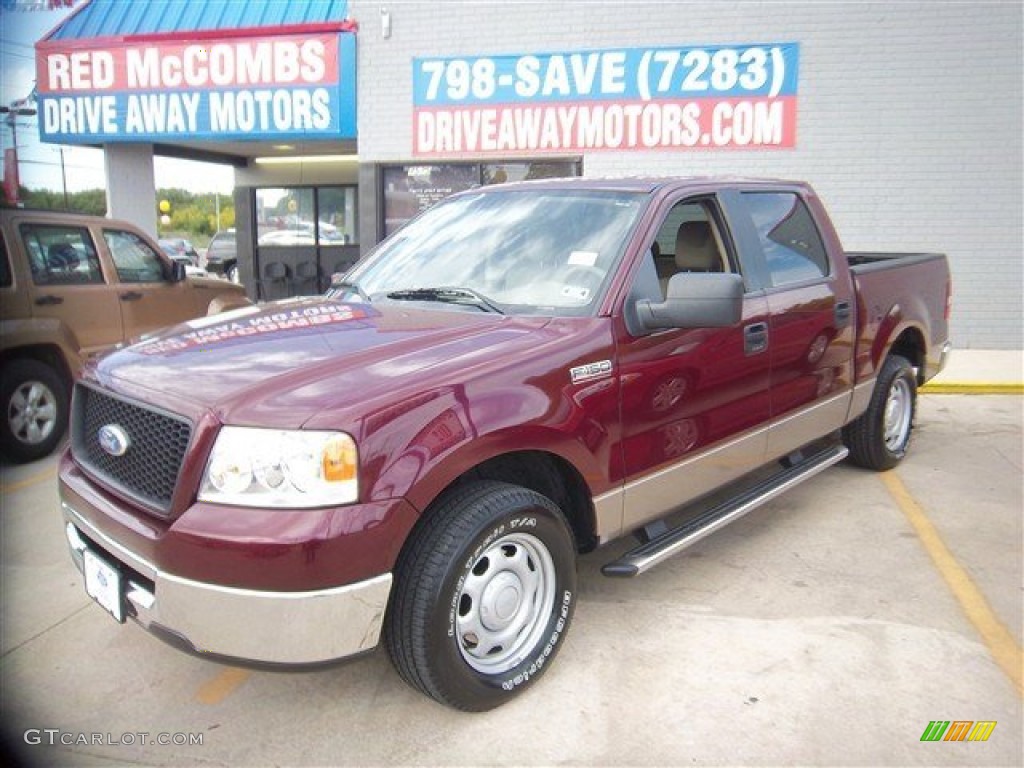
(523, 373)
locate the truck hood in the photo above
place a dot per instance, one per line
(279, 364)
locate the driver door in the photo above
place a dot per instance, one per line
(694, 401)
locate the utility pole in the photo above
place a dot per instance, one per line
(11, 114)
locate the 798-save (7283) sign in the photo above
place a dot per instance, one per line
(705, 97)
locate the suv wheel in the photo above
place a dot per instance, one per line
(232, 274)
(35, 403)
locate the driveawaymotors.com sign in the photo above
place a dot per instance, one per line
(281, 86)
(704, 97)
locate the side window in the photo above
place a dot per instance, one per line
(792, 245)
(61, 255)
(688, 241)
(5, 264)
(134, 259)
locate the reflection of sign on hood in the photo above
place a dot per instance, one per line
(239, 327)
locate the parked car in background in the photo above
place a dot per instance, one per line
(222, 255)
(72, 286)
(180, 248)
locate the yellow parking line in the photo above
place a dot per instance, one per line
(982, 388)
(1001, 644)
(48, 474)
(223, 685)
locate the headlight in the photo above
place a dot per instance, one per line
(281, 468)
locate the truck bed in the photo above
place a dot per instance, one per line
(898, 289)
(868, 261)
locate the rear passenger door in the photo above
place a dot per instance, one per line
(811, 328)
(68, 284)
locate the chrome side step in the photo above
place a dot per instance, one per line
(674, 540)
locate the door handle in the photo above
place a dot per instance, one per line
(131, 296)
(49, 300)
(755, 338)
(843, 313)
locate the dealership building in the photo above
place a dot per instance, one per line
(343, 119)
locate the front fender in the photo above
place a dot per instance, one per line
(418, 448)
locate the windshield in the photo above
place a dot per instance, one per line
(524, 251)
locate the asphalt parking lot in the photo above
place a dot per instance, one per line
(829, 628)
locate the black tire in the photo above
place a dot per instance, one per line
(231, 273)
(878, 439)
(455, 606)
(35, 410)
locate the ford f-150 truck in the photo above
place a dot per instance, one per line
(522, 373)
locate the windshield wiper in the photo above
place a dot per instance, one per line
(449, 296)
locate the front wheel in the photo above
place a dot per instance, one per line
(878, 439)
(483, 596)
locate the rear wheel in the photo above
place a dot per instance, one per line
(483, 596)
(879, 438)
(35, 403)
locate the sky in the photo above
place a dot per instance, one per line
(40, 164)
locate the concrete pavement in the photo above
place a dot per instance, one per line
(821, 630)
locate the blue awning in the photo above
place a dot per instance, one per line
(128, 18)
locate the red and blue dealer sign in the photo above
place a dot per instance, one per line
(703, 97)
(214, 85)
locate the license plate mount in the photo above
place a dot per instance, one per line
(103, 584)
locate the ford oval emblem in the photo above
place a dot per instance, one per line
(113, 439)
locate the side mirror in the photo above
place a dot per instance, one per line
(696, 300)
(178, 272)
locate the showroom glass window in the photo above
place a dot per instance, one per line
(410, 189)
(305, 216)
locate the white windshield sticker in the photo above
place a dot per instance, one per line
(583, 258)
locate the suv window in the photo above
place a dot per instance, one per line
(5, 264)
(792, 245)
(61, 255)
(135, 261)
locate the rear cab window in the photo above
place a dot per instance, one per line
(60, 255)
(793, 249)
(133, 258)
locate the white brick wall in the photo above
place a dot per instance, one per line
(909, 124)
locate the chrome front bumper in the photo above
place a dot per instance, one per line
(266, 627)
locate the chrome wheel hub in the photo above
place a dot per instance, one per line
(32, 412)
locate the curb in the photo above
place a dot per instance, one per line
(978, 388)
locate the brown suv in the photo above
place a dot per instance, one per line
(72, 286)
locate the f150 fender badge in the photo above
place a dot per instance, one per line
(590, 371)
(113, 439)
